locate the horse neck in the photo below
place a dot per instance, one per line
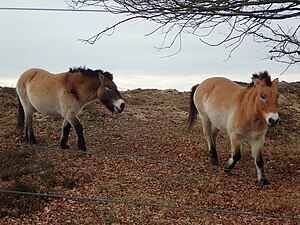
(248, 105)
(88, 88)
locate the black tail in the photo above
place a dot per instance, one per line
(193, 110)
(21, 116)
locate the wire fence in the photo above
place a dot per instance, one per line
(118, 153)
(55, 10)
(180, 207)
(140, 203)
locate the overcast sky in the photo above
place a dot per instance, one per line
(49, 40)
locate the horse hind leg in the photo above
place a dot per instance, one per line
(26, 111)
(213, 147)
(28, 119)
(65, 135)
(211, 135)
(29, 134)
(235, 153)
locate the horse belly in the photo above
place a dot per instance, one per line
(215, 101)
(45, 105)
(218, 119)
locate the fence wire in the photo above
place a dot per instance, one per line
(140, 203)
(180, 207)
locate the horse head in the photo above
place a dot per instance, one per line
(108, 93)
(267, 97)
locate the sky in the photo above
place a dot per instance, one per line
(49, 40)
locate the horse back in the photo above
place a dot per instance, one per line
(41, 89)
(38, 77)
(218, 92)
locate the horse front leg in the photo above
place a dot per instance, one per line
(80, 138)
(65, 135)
(256, 147)
(74, 121)
(235, 153)
(261, 176)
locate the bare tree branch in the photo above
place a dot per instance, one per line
(261, 19)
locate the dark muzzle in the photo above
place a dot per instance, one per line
(119, 107)
(273, 122)
(122, 106)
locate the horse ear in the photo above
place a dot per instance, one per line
(275, 82)
(256, 81)
(101, 77)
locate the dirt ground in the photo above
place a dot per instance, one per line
(143, 168)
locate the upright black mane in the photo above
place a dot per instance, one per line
(89, 72)
(262, 76)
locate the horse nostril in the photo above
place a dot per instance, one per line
(273, 122)
(122, 106)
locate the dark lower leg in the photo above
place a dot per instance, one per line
(32, 139)
(26, 134)
(213, 154)
(211, 136)
(232, 161)
(79, 131)
(65, 135)
(260, 170)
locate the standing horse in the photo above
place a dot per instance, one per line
(64, 94)
(242, 112)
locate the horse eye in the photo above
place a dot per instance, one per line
(262, 97)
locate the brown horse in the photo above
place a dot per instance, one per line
(241, 112)
(65, 95)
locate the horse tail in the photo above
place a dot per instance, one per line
(21, 116)
(193, 110)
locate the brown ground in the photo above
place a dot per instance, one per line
(143, 156)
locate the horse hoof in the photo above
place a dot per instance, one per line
(228, 168)
(264, 182)
(215, 162)
(82, 149)
(82, 153)
(32, 142)
(64, 146)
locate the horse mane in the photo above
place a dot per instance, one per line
(88, 72)
(264, 76)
